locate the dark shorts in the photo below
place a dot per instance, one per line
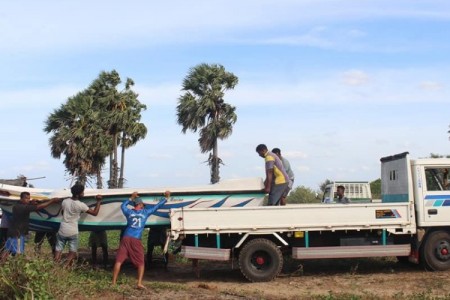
(276, 192)
(288, 188)
(131, 248)
(98, 239)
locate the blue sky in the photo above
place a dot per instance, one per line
(335, 84)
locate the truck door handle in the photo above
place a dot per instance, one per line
(432, 211)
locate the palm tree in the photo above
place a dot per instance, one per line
(132, 129)
(122, 113)
(202, 108)
(76, 134)
(87, 128)
(104, 90)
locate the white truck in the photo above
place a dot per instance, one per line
(412, 221)
(355, 191)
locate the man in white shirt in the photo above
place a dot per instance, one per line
(72, 208)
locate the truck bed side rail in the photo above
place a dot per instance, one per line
(394, 217)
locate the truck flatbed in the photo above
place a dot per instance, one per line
(395, 218)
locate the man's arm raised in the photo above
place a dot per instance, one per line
(94, 212)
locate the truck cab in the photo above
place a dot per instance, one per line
(431, 191)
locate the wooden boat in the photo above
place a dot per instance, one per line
(227, 193)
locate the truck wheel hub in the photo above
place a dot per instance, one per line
(260, 260)
(443, 251)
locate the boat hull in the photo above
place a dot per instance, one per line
(234, 193)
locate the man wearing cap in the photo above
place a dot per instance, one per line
(131, 245)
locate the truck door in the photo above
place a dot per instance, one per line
(436, 194)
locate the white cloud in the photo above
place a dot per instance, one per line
(323, 37)
(166, 93)
(163, 156)
(302, 169)
(225, 154)
(386, 86)
(430, 85)
(315, 37)
(152, 175)
(356, 33)
(355, 77)
(48, 98)
(294, 154)
(38, 166)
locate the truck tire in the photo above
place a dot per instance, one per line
(260, 260)
(436, 251)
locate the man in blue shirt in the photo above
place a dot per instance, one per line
(131, 245)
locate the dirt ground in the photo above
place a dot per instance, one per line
(381, 278)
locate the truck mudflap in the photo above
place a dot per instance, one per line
(208, 253)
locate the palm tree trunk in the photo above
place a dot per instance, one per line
(115, 166)
(112, 182)
(215, 164)
(122, 161)
(82, 178)
(111, 171)
(99, 179)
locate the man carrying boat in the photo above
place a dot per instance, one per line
(19, 222)
(131, 245)
(71, 209)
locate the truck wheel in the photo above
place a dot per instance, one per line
(260, 260)
(436, 251)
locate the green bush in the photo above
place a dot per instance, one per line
(302, 194)
(39, 277)
(24, 278)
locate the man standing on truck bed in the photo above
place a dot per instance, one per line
(277, 179)
(287, 167)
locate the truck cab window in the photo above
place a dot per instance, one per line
(437, 179)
